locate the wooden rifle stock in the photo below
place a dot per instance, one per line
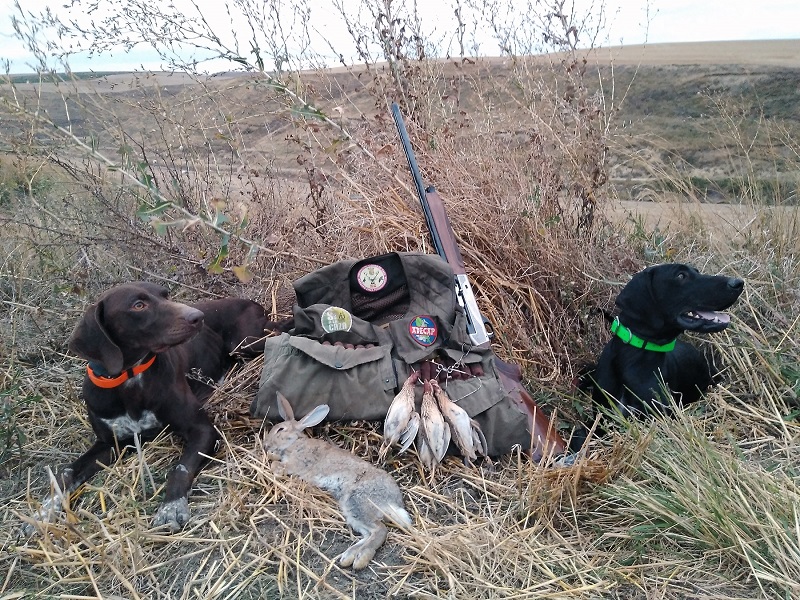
(545, 439)
(447, 238)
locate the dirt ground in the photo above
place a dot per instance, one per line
(776, 53)
(727, 221)
(773, 53)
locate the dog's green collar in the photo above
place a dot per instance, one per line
(627, 336)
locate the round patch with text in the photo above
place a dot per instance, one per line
(371, 278)
(334, 319)
(423, 329)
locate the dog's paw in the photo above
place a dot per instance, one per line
(50, 510)
(173, 515)
(28, 529)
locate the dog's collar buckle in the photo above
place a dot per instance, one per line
(108, 382)
(630, 338)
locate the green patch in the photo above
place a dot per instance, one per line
(17, 180)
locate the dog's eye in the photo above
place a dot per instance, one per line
(681, 275)
(139, 305)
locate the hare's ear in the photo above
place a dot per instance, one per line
(284, 408)
(315, 416)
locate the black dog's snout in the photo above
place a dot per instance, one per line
(735, 283)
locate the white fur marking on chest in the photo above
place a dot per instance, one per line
(125, 426)
(135, 381)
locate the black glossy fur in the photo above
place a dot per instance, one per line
(658, 304)
(127, 323)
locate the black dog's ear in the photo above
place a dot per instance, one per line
(638, 303)
(636, 294)
(91, 341)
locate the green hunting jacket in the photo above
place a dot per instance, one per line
(360, 327)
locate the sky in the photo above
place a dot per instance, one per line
(623, 22)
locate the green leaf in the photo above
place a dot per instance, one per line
(275, 85)
(257, 53)
(220, 219)
(216, 266)
(182, 224)
(144, 175)
(242, 273)
(160, 226)
(149, 211)
(251, 254)
(308, 112)
(243, 222)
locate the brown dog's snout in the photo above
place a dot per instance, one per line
(193, 316)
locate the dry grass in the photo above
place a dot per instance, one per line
(702, 506)
(757, 53)
(254, 535)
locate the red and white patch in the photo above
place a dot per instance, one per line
(423, 329)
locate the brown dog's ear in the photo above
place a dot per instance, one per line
(91, 341)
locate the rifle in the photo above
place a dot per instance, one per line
(545, 440)
(436, 218)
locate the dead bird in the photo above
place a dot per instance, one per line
(402, 421)
(435, 431)
(465, 431)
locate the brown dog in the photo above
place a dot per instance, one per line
(140, 347)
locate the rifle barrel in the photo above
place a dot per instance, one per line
(421, 192)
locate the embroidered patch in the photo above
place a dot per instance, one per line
(423, 329)
(334, 318)
(371, 278)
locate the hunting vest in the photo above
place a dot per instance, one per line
(361, 327)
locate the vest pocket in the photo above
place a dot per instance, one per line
(356, 383)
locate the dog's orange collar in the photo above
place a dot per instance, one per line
(106, 382)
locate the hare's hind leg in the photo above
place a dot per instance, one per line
(373, 534)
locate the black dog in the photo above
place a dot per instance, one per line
(644, 358)
(140, 347)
